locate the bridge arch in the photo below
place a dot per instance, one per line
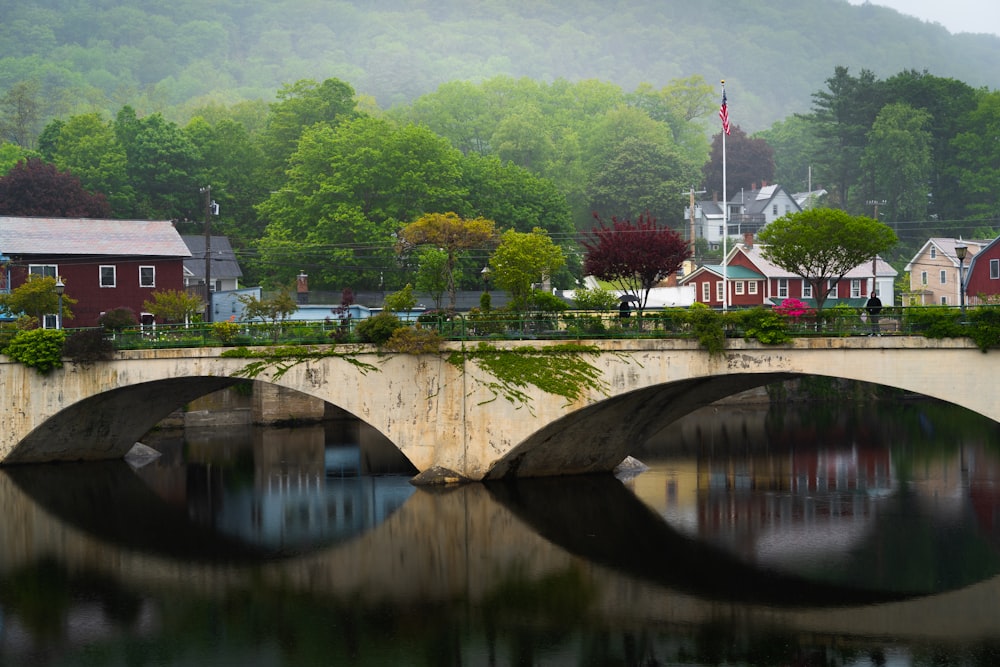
(443, 415)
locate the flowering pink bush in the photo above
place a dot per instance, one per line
(794, 309)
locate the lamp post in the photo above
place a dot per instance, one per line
(60, 288)
(960, 250)
(485, 273)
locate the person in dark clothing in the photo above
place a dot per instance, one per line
(624, 310)
(874, 307)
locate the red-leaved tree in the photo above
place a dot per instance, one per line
(634, 257)
(37, 189)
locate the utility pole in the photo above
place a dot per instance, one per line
(207, 191)
(692, 193)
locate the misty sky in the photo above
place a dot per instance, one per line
(955, 15)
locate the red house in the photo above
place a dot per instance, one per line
(982, 278)
(105, 264)
(752, 280)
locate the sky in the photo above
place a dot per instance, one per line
(955, 15)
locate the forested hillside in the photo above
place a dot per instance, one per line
(171, 57)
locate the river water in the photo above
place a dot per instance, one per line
(829, 533)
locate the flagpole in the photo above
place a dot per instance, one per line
(724, 115)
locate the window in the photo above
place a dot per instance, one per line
(50, 321)
(706, 292)
(933, 252)
(855, 288)
(923, 277)
(807, 289)
(944, 277)
(774, 209)
(147, 276)
(107, 275)
(752, 287)
(720, 231)
(782, 288)
(944, 301)
(718, 291)
(44, 270)
(995, 269)
(738, 286)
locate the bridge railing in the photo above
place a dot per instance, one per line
(933, 321)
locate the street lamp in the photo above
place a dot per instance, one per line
(960, 250)
(485, 273)
(60, 288)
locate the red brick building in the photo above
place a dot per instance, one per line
(105, 264)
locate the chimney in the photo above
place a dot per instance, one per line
(748, 240)
(302, 287)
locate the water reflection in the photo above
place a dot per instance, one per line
(188, 561)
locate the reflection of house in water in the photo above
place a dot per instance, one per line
(767, 508)
(304, 492)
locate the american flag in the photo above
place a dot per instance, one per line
(724, 114)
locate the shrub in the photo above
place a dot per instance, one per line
(40, 349)
(413, 340)
(984, 327)
(935, 321)
(118, 319)
(87, 346)
(378, 329)
(595, 299)
(226, 332)
(707, 326)
(765, 325)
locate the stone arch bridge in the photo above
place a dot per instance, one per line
(447, 411)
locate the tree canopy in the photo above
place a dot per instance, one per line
(635, 256)
(821, 245)
(522, 259)
(35, 188)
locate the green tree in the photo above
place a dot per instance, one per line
(174, 305)
(642, 177)
(21, 113)
(823, 244)
(86, 146)
(36, 297)
(162, 166)
(897, 161)
(300, 106)
(977, 158)
(349, 190)
(522, 259)
(432, 273)
(402, 301)
(450, 233)
(271, 311)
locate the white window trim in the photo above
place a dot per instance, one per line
(718, 290)
(944, 276)
(807, 289)
(782, 288)
(923, 277)
(751, 287)
(114, 275)
(995, 269)
(706, 292)
(153, 271)
(738, 287)
(855, 288)
(34, 269)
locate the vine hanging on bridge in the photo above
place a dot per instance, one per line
(279, 360)
(559, 369)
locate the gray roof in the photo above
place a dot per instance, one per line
(224, 264)
(84, 236)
